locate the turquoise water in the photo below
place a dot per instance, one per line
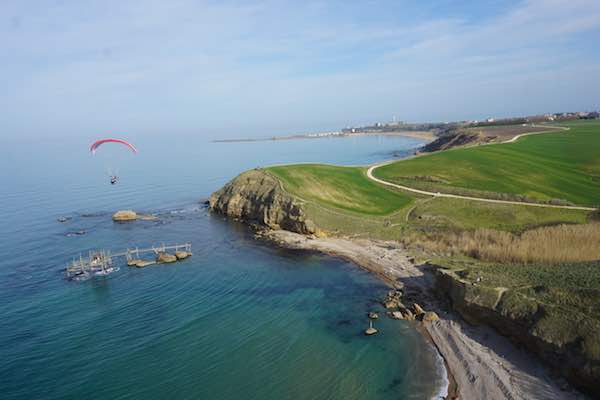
(238, 320)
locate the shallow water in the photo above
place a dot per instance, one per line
(240, 319)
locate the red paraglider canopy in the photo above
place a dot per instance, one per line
(97, 143)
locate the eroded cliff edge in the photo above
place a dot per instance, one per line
(257, 197)
(567, 339)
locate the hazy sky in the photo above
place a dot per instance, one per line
(228, 69)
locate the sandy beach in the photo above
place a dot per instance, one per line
(481, 364)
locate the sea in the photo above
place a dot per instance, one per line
(240, 319)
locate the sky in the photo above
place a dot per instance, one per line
(223, 69)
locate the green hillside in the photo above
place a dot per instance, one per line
(346, 188)
(564, 165)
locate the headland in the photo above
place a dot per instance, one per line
(502, 275)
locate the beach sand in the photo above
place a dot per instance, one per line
(481, 364)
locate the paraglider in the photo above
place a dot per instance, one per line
(94, 147)
(100, 142)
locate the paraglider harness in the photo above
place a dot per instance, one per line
(113, 179)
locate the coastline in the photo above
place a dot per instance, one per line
(423, 135)
(479, 362)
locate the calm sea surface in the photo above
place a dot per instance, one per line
(238, 320)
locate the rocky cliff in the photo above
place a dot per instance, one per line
(454, 137)
(569, 341)
(257, 197)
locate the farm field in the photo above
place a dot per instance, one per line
(563, 165)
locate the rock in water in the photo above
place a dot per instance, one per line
(429, 316)
(418, 309)
(124, 215)
(182, 254)
(390, 304)
(396, 315)
(408, 315)
(373, 315)
(144, 263)
(134, 262)
(370, 330)
(165, 258)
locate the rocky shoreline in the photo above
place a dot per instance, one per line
(480, 362)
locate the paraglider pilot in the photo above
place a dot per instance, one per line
(96, 144)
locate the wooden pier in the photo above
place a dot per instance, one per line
(129, 253)
(100, 263)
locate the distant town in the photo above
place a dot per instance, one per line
(379, 127)
(426, 129)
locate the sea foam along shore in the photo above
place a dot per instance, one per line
(480, 363)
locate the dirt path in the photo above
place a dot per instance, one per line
(456, 196)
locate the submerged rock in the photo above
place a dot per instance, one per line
(147, 217)
(124, 215)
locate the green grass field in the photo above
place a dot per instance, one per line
(451, 213)
(345, 188)
(564, 165)
(343, 200)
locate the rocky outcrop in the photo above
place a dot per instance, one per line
(455, 137)
(257, 197)
(571, 347)
(429, 316)
(124, 215)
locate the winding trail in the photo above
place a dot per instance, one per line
(481, 199)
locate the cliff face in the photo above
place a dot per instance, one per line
(573, 348)
(454, 138)
(257, 197)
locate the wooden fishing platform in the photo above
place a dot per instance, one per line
(100, 263)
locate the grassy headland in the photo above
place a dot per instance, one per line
(530, 272)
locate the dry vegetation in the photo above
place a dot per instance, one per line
(554, 245)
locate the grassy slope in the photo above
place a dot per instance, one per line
(346, 188)
(442, 212)
(555, 165)
(344, 200)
